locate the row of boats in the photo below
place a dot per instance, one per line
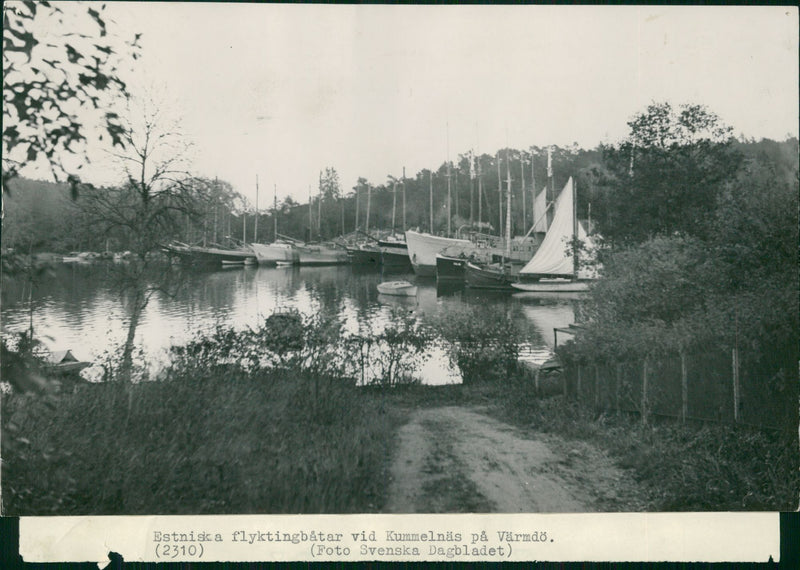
(528, 263)
(541, 262)
(390, 251)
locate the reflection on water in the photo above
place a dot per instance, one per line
(77, 309)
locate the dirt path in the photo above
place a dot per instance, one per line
(456, 459)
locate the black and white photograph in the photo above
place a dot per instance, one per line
(303, 259)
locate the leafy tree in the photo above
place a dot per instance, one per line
(330, 191)
(667, 176)
(733, 283)
(60, 79)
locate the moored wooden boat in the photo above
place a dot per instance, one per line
(212, 256)
(364, 254)
(557, 285)
(394, 253)
(321, 254)
(272, 253)
(491, 276)
(450, 267)
(423, 247)
(398, 288)
(551, 269)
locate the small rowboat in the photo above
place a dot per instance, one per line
(63, 362)
(399, 288)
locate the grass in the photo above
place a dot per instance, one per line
(270, 442)
(219, 440)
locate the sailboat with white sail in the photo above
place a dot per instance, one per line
(552, 269)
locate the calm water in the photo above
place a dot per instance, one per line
(75, 309)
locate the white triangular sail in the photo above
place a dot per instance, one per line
(551, 258)
(539, 209)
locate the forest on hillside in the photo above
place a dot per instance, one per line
(42, 216)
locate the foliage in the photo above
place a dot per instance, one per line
(60, 66)
(22, 362)
(314, 345)
(667, 176)
(704, 252)
(483, 344)
(393, 352)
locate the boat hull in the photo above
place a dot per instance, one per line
(487, 278)
(398, 288)
(450, 268)
(364, 255)
(394, 254)
(193, 255)
(422, 250)
(553, 286)
(321, 255)
(272, 253)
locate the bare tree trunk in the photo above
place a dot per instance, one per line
(139, 304)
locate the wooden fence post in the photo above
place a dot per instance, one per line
(644, 393)
(684, 390)
(735, 365)
(618, 387)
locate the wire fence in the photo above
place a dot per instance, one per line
(715, 385)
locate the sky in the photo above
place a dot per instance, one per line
(280, 92)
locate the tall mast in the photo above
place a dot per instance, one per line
(319, 208)
(356, 228)
(533, 187)
(216, 206)
(369, 195)
(310, 220)
(480, 192)
(508, 206)
(550, 186)
(449, 199)
(255, 226)
(455, 175)
(430, 188)
(244, 224)
(471, 189)
(499, 195)
(575, 227)
(394, 202)
(522, 189)
(275, 213)
(404, 200)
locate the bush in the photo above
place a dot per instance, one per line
(390, 355)
(483, 344)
